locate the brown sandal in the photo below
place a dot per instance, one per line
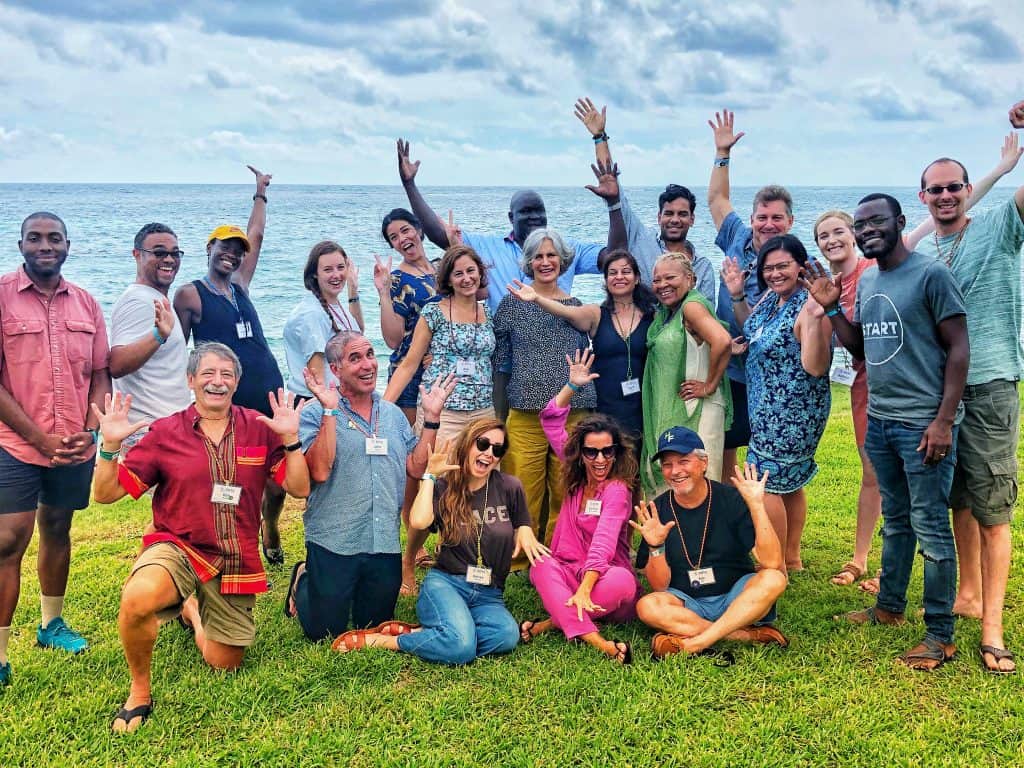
(873, 616)
(394, 628)
(872, 585)
(847, 575)
(351, 640)
(928, 655)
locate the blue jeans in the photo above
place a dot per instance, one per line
(461, 621)
(915, 508)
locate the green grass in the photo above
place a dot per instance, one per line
(835, 697)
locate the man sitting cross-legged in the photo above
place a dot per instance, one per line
(209, 463)
(697, 538)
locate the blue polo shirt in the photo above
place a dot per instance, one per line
(503, 258)
(736, 240)
(357, 510)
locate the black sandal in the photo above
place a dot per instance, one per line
(526, 632)
(290, 593)
(127, 715)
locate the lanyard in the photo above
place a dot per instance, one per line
(451, 325)
(230, 295)
(341, 317)
(703, 538)
(625, 339)
(480, 528)
(352, 416)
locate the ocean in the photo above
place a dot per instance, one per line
(102, 220)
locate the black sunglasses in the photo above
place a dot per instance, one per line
(608, 452)
(159, 254)
(498, 449)
(937, 189)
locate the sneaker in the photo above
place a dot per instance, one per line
(5, 674)
(57, 634)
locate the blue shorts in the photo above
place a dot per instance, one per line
(411, 394)
(712, 608)
(23, 486)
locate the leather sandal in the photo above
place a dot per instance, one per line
(847, 575)
(351, 640)
(998, 654)
(873, 615)
(928, 655)
(394, 628)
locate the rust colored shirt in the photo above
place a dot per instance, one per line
(49, 348)
(177, 457)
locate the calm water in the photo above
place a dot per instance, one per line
(103, 219)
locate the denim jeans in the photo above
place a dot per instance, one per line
(461, 621)
(915, 508)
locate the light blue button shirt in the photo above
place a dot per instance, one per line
(736, 240)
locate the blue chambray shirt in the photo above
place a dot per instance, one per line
(736, 240)
(357, 510)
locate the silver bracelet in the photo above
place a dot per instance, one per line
(616, 207)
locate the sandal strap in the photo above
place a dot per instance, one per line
(998, 653)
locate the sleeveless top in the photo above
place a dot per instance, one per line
(616, 363)
(260, 373)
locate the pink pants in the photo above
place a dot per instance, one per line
(616, 591)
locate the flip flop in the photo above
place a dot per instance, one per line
(626, 654)
(185, 625)
(289, 594)
(525, 632)
(928, 650)
(998, 654)
(127, 715)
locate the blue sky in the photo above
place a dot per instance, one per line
(829, 92)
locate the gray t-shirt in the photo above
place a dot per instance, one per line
(159, 387)
(899, 311)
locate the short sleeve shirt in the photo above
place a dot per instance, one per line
(736, 240)
(730, 537)
(306, 333)
(159, 387)
(471, 343)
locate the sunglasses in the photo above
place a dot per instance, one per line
(608, 452)
(498, 449)
(937, 189)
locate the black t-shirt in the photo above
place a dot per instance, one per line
(505, 511)
(727, 549)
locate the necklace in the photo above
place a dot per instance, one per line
(954, 248)
(624, 334)
(703, 538)
(480, 528)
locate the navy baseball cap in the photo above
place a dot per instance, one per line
(678, 440)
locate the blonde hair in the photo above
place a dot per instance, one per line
(681, 259)
(843, 216)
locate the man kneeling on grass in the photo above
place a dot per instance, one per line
(209, 464)
(697, 538)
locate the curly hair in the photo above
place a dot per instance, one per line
(574, 471)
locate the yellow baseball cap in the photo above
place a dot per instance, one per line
(229, 232)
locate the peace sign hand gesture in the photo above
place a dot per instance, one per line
(382, 274)
(650, 526)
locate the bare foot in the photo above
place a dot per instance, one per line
(872, 585)
(966, 608)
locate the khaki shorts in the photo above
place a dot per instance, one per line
(985, 479)
(227, 619)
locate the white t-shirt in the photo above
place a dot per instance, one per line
(159, 387)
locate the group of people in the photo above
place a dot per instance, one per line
(525, 428)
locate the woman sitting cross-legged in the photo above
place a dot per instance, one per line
(481, 517)
(589, 575)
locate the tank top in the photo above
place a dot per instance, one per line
(612, 361)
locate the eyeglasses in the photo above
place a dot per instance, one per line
(160, 253)
(608, 452)
(874, 221)
(498, 449)
(938, 189)
(767, 269)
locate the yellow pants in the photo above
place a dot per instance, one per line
(531, 459)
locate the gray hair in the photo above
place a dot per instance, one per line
(216, 349)
(335, 348)
(533, 243)
(770, 194)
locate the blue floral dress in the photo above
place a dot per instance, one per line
(788, 407)
(409, 294)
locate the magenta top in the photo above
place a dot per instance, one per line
(588, 542)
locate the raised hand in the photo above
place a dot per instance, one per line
(1010, 153)
(286, 419)
(590, 117)
(406, 168)
(649, 524)
(579, 367)
(526, 542)
(440, 462)
(434, 400)
(1017, 115)
(824, 289)
(163, 317)
(522, 291)
(352, 278)
(382, 275)
(114, 424)
(725, 138)
(751, 488)
(262, 180)
(451, 229)
(326, 396)
(607, 181)
(733, 277)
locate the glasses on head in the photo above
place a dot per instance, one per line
(608, 452)
(938, 189)
(875, 221)
(160, 253)
(498, 449)
(767, 269)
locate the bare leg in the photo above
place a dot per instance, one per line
(728, 461)
(54, 549)
(615, 651)
(968, 551)
(756, 599)
(995, 570)
(218, 655)
(775, 508)
(666, 612)
(273, 503)
(869, 510)
(15, 534)
(413, 544)
(796, 517)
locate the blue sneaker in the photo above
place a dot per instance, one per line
(5, 674)
(57, 634)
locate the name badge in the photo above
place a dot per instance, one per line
(757, 334)
(243, 329)
(630, 387)
(476, 574)
(376, 446)
(465, 367)
(223, 493)
(701, 577)
(593, 507)
(843, 375)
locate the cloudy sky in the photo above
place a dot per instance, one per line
(830, 92)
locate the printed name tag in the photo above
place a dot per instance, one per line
(376, 446)
(701, 577)
(757, 334)
(843, 375)
(465, 367)
(224, 493)
(593, 507)
(630, 387)
(244, 330)
(476, 574)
